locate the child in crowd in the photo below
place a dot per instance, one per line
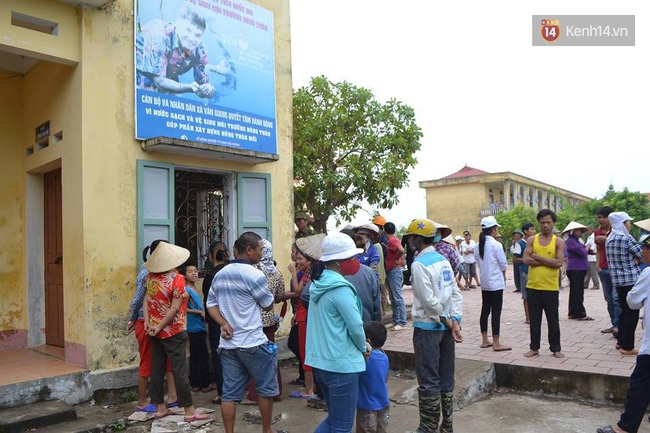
(373, 405)
(196, 331)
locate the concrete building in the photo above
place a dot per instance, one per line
(461, 199)
(86, 186)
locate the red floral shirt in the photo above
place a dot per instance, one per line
(161, 290)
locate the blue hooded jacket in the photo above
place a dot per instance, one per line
(335, 336)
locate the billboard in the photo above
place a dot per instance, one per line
(205, 72)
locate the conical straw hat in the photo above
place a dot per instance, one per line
(450, 240)
(311, 245)
(572, 226)
(643, 224)
(166, 257)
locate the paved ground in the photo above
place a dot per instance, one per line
(586, 349)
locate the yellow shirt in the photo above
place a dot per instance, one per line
(543, 277)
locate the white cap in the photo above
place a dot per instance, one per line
(489, 221)
(338, 246)
(459, 238)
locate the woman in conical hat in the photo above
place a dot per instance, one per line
(165, 322)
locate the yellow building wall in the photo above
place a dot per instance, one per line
(13, 308)
(92, 104)
(457, 206)
(109, 175)
(62, 47)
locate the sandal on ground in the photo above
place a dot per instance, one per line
(161, 416)
(558, 355)
(485, 346)
(606, 429)
(628, 352)
(586, 318)
(147, 408)
(171, 405)
(197, 416)
(298, 394)
(216, 400)
(531, 353)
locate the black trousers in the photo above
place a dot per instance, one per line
(515, 271)
(174, 348)
(637, 398)
(292, 344)
(199, 360)
(214, 333)
(627, 320)
(577, 294)
(492, 304)
(547, 302)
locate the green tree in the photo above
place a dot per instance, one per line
(512, 220)
(349, 148)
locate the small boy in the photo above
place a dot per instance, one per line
(373, 405)
(196, 331)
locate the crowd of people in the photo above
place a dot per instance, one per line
(340, 286)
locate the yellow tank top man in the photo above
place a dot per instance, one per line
(544, 255)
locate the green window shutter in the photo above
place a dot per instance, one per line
(155, 203)
(254, 204)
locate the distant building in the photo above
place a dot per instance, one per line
(461, 199)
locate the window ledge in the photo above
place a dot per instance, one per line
(213, 151)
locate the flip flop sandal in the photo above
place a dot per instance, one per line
(606, 429)
(147, 408)
(298, 394)
(171, 405)
(157, 416)
(197, 416)
(216, 400)
(486, 346)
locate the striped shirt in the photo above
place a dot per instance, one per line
(622, 250)
(239, 290)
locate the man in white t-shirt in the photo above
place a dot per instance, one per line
(237, 293)
(468, 249)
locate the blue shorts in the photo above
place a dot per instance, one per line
(239, 365)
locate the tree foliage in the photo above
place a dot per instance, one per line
(349, 148)
(636, 204)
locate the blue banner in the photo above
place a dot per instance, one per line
(205, 72)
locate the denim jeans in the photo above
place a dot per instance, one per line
(395, 281)
(611, 297)
(259, 362)
(340, 392)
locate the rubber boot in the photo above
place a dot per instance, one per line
(429, 412)
(447, 402)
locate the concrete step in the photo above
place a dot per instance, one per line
(33, 416)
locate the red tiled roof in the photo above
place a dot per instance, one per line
(466, 171)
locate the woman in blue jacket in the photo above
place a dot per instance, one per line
(336, 343)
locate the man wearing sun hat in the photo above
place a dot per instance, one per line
(517, 251)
